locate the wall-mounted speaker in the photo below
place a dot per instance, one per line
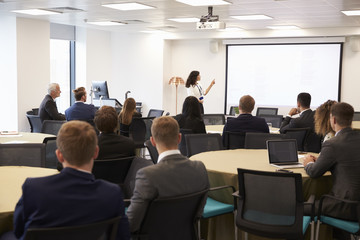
(214, 46)
(355, 44)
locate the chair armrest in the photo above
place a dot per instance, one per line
(338, 199)
(311, 202)
(236, 196)
(222, 187)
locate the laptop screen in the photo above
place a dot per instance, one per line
(282, 151)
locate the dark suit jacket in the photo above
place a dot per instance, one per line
(306, 119)
(196, 124)
(174, 175)
(341, 156)
(69, 198)
(80, 111)
(113, 146)
(48, 110)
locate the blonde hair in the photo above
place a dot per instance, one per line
(77, 142)
(127, 111)
(78, 93)
(165, 130)
(322, 118)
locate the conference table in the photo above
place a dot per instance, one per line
(11, 180)
(24, 137)
(222, 170)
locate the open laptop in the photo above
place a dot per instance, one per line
(283, 153)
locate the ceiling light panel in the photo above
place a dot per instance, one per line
(127, 6)
(36, 12)
(204, 2)
(252, 17)
(351, 13)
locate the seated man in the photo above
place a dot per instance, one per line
(110, 144)
(172, 176)
(48, 109)
(305, 120)
(246, 122)
(341, 156)
(80, 110)
(72, 197)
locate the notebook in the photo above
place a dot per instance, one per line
(283, 153)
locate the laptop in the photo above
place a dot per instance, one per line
(283, 153)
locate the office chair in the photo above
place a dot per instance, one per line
(356, 116)
(152, 151)
(270, 204)
(35, 122)
(300, 134)
(275, 120)
(254, 140)
(22, 154)
(155, 113)
(213, 119)
(51, 160)
(234, 140)
(266, 111)
(52, 126)
(172, 218)
(104, 230)
(182, 145)
(198, 143)
(137, 132)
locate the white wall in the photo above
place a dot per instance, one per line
(33, 66)
(8, 74)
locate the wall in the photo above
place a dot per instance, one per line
(8, 74)
(33, 66)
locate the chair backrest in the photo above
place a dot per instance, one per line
(35, 111)
(112, 170)
(356, 116)
(152, 151)
(234, 140)
(182, 144)
(214, 119)
(155, 113)
(266, 111)
(270, 204)
(299, 134)
(51, 160)
(104, 230)
(198, 143)
(148, 123)
(160, 224)
(254, 140)
(234, 110)
(275, 120)
(52, 126)
(22, 154)
(35, 123)
(137, 131)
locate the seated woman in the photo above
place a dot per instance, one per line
(322, 120)
(190, 118)
(126, 115)
(110, 144)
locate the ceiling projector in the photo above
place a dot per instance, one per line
(210, 21)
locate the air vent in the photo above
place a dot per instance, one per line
(65, 9)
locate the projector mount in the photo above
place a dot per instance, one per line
(209, 17)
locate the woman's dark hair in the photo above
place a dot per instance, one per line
(192, 78)
(191, 108)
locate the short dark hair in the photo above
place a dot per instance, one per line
(247, 103)
(343, 113)
(304, 99)
(78, 93)
(106, 119)
(192, 78)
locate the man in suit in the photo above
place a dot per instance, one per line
(74, 196)
(246, 122)
(341, 156)
(48, 109)
(110, 144)
(173, 175)
(305, 120)
(80, 110)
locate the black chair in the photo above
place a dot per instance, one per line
(198, 143)
(35, 111)
(255, 140)
(35, 122)
(266, 111)
(234, 140)
(137, 132)
(51, 160)
(275, 120)
(182, 145)
(112, 170)
(104, 230)
(270, 204)
(356, 116)
(22, 154)
(234, 110)
(148, 123)
(172, 218)
(152, 151)
(52, 126)
(213, 119)
(155, 113)
(300, 134)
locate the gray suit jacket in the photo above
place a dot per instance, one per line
(341, 156)
(174, 175)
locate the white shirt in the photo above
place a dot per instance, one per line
(167, 153)
(195, 90)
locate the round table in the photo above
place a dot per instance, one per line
(25, 137)
(11, 180)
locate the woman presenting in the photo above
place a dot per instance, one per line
(195, 89)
